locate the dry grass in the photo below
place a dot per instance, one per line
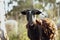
(59, 33)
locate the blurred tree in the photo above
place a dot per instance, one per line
(52, 3)
(22, 4)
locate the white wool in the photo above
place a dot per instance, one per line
(13, 24)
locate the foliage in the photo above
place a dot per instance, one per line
(38, 6)
(24, 36)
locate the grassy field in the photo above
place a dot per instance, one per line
(25, 37)
(59, 34)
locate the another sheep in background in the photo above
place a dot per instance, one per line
(11, 27)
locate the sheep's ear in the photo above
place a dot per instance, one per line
(23, 12)
(37, 12)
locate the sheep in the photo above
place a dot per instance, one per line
(11, 27)
(39, 29)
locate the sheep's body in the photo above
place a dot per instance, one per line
(43, 29)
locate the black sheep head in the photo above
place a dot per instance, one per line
(30, 14)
